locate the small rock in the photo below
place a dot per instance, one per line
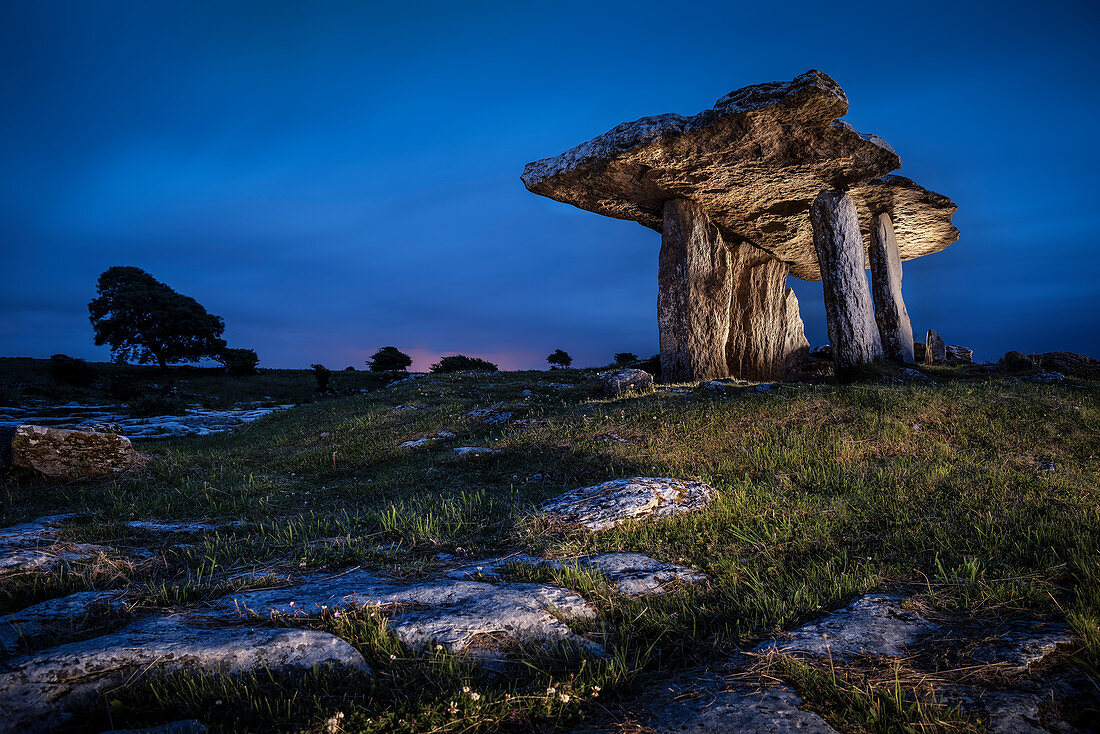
(618, 383)
(959, 355)
(475, 451)
(66, 454)
(444, 434)
(606, 505)
(1045, 378)
(1017, 361)
(914, 375)
(871, 625)
(1047, 466)
(415, 443)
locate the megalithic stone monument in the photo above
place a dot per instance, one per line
(730, 190)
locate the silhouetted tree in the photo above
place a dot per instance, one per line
(389, 359)
(71, 370)
(622, 359)
(559, 359)
(322, 375)
(239, 361)
(143, 319)
(462, 363)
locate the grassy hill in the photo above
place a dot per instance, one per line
(978, 497)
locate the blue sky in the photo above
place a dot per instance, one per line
(335, 177)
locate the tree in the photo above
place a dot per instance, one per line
(389, 359)
(559, 359)
(322, 375)
(143, 319)
(622, 359)
(71, 371)
(462, 363)
(239, 361)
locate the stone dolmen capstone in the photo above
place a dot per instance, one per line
(730, 190)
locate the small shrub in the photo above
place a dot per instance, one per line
(560, 358)
(239, 361)
(389, 359)
(462, 363)
(322, 375)
(622, 359)
(71, 371)
(149, 406)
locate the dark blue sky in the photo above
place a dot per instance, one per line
(335, 177)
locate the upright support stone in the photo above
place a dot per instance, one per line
(756, 347)
(839, 245)
(796, 347)
(693, 295)
(890, 314)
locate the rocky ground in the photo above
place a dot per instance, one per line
(538, 550)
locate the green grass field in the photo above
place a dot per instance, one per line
(825, 492)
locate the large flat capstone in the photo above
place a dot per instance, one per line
(753, 163)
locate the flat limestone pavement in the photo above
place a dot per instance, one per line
(606, 505)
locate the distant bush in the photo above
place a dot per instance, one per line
(622, 359)
(462, 363)
(389, 359)
(239, 361)
(149, 406)
(560, 358)
(71, 371)
(349, 368)
(322, 375)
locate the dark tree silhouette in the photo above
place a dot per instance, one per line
(462, 363)
(559, 359)
(389, 359)
(145, 320)
(322, 375)
(239, 361)
(622, 359)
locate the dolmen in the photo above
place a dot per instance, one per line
(769, 183)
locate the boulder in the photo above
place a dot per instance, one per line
(68, 454)
(606, 505)
(1017, 361)
(935, 350)
(753, 163)
(894, 327)
(1070, 363)
(959, 355)
(853, 332)
(41, 692)
(620, 382)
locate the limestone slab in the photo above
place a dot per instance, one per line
(606, 505)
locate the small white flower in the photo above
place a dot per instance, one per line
(564, 697)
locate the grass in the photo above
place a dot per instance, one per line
(825, 492)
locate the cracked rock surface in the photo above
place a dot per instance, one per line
(604, 506)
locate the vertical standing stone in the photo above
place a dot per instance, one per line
(796, 347)
(935, 350)
(853, 333)
(693, 295)
(755, 349)
(893, 320)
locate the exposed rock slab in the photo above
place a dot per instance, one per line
(53, 614)
(853, 332)
(67, 454)
(754, 163)
(40, 692)
(606, 505)
(35, 547)
(1019, 645)
(1069, 363)
(186, 726)
(875, 624)
(634, 574)
(475, 451)
(460, 615)
(620, 382)
(774, 710)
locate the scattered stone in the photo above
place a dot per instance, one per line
(415, 443)
(874, 624)
(935, 351)
(42, 691)
(633, 573)
(1045, 466)
(1017, 361)
(475, 451)
(188, 726)
(560, 386)
(444, 434)
(54, 614)
(182, 527)
(620, 382)
(403, 408)
(774, 710)
(492, 415)
(606, 505)
(1046, 378)
(1070, 363)
(1019, 645)
(959, 355)
(67, 454)
(460, 615)
(914, 375)
(848, 307)
(527, 422)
